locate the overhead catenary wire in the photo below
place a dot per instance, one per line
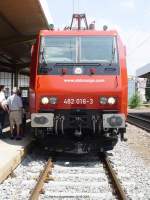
(78, 6)
(72, 6)
(75, 6)
(134, 33)
(139, 45)
(132, 36)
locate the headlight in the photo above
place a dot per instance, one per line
(44, 100)
(111, 100)
(103, 100)
(53, 100)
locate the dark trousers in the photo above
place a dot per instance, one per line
(2, 119)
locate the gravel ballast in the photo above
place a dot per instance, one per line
(78, 180)
(19, 183)
(130, 160)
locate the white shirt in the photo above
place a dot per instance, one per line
(2, 96)
(14, 102)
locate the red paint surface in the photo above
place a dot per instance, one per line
(46, 85)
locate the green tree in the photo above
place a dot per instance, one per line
(135, 100)
(147, 90)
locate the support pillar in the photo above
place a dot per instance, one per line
(12, 81)
(16, 77)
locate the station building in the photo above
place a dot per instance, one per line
(20, 21)
(143, 75)
(131, 86)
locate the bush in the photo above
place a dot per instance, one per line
(135, 100)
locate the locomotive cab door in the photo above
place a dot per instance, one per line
(25, 97)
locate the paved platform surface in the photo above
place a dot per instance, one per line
(11, 154)
(139, 110)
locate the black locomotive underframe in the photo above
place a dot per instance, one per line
(88, 144)
(74, 129)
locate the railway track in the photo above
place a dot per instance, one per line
(139, 121)
(78, 180)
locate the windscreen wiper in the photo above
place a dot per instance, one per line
(110, 69)
(113, 53)
(43, 59)
(103, 63)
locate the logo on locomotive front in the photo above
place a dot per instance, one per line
(84, 80)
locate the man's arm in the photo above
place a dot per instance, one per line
(4, 105)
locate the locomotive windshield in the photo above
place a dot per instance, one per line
(70, 51)
(96, 49)
(58, 49)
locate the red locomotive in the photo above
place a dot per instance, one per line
(78, 88)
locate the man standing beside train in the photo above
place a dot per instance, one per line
(14, 103)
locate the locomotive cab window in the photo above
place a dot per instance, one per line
(57, 49)
(61, 54)
(98, 49)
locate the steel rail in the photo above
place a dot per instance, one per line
(107, 165)
(115, 181)
(140, 122)
(42, 179)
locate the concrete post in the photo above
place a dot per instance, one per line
(12, 81)
(16, 77)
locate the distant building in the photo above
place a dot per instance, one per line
(131, 86)
(141, 85)
(143, 73)
(136, 84)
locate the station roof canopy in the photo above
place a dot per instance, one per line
(143, 72)
(20, 21)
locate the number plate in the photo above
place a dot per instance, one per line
(78, 101)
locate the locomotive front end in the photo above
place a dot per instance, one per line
(81, 91)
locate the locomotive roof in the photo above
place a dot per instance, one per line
(78, 32)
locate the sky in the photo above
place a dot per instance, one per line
(131, 18)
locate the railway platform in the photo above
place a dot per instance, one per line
(139, 110)
(11, 154)
(140, 118)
